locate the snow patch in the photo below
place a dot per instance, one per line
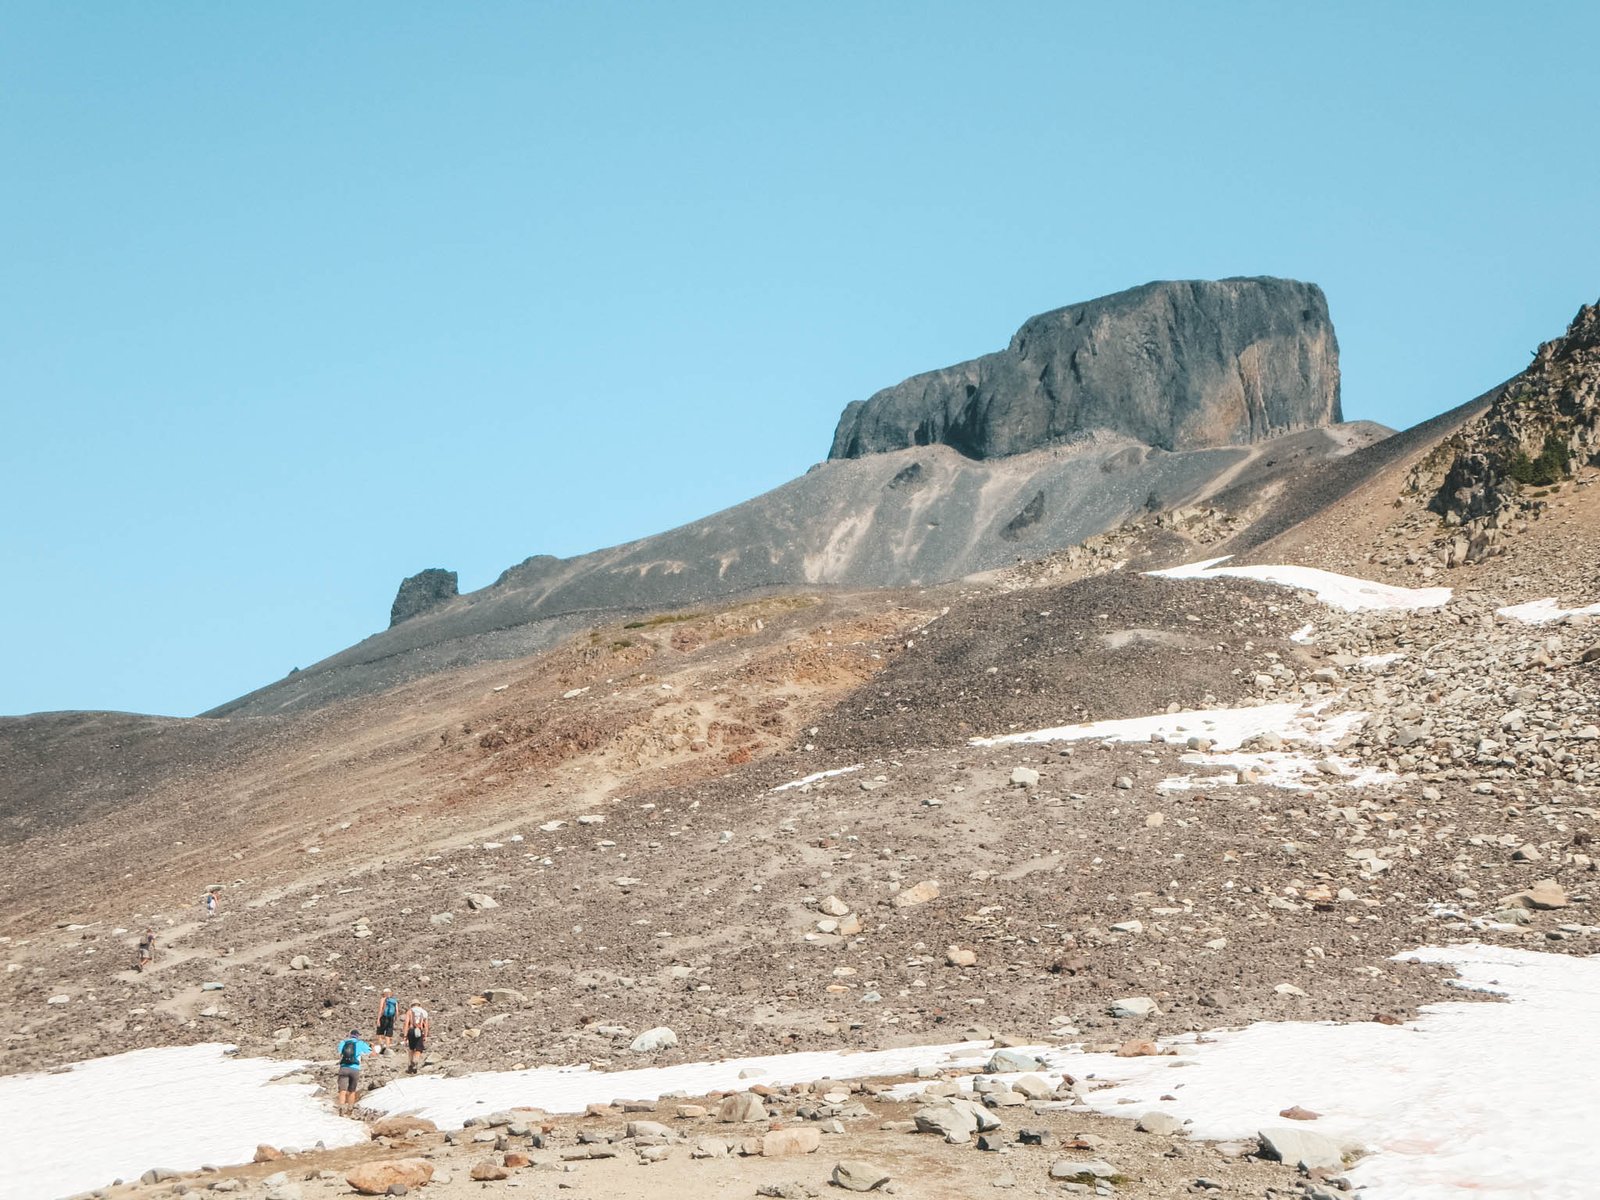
(449, 1102)
(1226, 728)
(175, 1107)
(1337, 591)
(810, 779)
(1419, 1096)
(1542, 612)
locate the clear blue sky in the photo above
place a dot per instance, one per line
(297, 299)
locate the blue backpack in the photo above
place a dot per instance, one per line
(391, 1006)
(349, 1053)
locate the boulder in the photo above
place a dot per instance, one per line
(853, 1175)
(741, 1107)
(789, 1143)
(1163, 1124)
(953, 1124)
(1303, 1148)
(1010, 1060)
(487, 1170)
(1134, 1006)
(477, 900)
(651, 1040)
(376, 1178)
(402, 1126)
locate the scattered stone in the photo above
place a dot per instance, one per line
(402, 1126)
(1024, 777)
(487, 1171)
(479, 901)
(375, 1178)
(1296, 1113)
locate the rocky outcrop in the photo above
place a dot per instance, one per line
(1487, 479)
(422, 592)
(1178, 366)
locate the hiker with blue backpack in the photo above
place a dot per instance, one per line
(351, 1051)
(388, 1009)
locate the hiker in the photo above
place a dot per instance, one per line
(209, 903)
(147, 949)
(416, 1036)
(387, 1011)
(350, 1052)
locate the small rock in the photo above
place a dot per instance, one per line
(1024, 777)
(919, 893)
(479, 901)
(1134, 1006)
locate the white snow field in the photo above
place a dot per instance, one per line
(1336, 591)
(1492, 1100)
(449, 1102)
(1542, 612)
(176, 1107)
(1226, 728)
(1489, 1100)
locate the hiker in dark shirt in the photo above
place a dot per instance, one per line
(388, 1009)
(147, 949)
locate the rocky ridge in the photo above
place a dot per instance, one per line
(1178, 366)
(1486, 481)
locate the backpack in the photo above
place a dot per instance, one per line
(391, 1006)
(349, 1055)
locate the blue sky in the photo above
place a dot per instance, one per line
(298, 299)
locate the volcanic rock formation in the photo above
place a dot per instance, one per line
(422, 592)
(1540, 425)
(1177, 366)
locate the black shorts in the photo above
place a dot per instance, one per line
(385, 1026)
(415, 1040)
(349, 1079)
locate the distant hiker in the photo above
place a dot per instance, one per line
(387, 1011)
(416, 1036)
(147, 948)
(350, 1053)
(209, 903)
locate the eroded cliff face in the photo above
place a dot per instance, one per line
(1178, 366)
(1488, 480)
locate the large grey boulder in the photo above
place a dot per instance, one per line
(1302, 1148)
(1178, 366)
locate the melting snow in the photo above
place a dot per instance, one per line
(1541, 612)
(1495, 1100)
(174, 1107)
(1225, 727)
(1336, 591)
(810, 779)
(449, 1102)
